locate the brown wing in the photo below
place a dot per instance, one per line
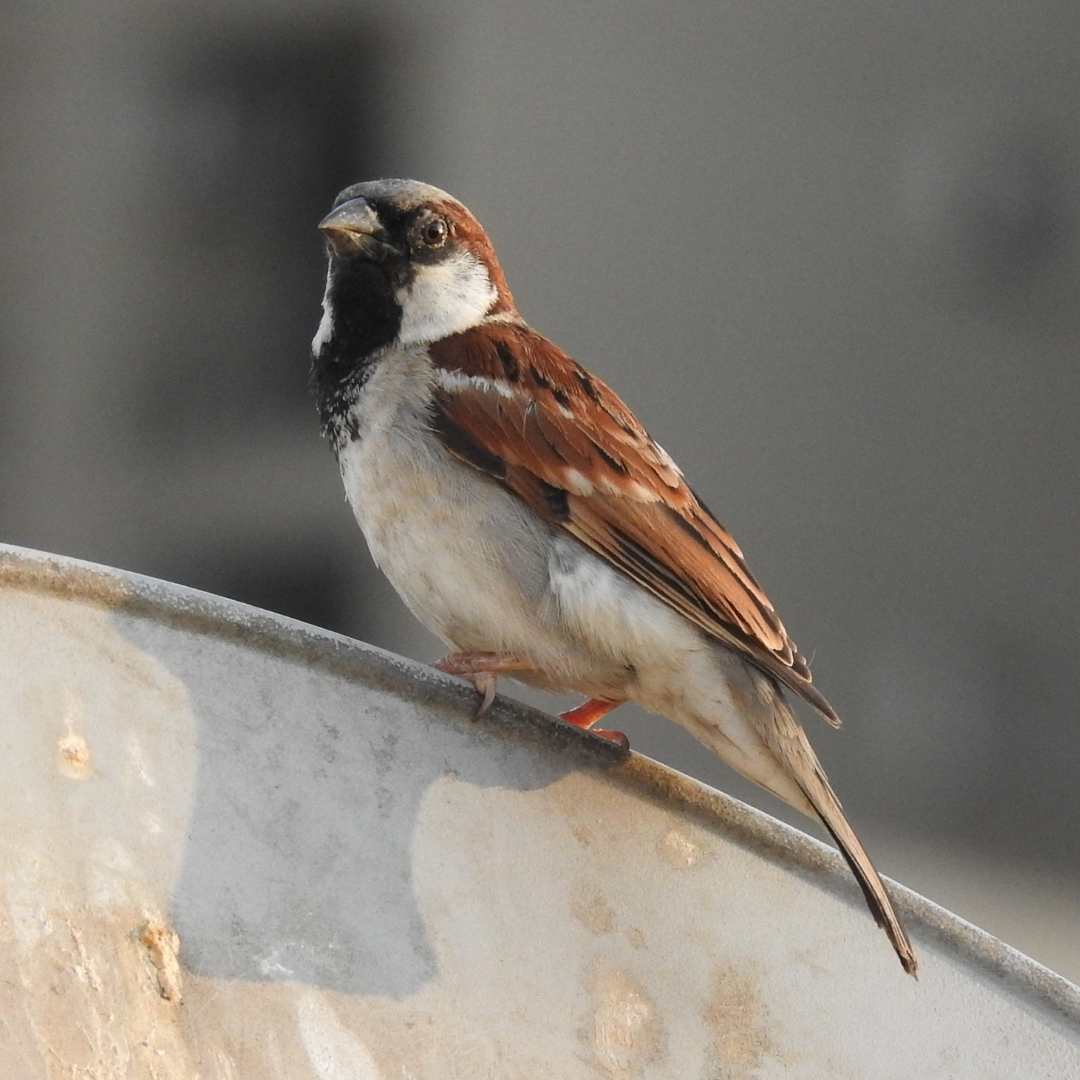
(510, 403)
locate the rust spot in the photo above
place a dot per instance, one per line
(626, 1035)
(739, 1023)
(74, 760)
(678, 849)
(163, 944)
(589, 907)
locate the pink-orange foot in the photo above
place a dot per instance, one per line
(586, 714)
(482, 669)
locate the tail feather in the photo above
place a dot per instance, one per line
(788, 742)
(873, 888)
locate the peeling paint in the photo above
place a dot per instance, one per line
(163, 944)
(627, 1033)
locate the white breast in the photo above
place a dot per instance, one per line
(468, 558)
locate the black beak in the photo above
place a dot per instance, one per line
(354, 229)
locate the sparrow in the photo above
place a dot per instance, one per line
(527, 518)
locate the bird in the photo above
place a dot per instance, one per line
(526, 517)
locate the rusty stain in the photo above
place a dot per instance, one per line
(61, 578)
(678, 849)
(590, 908)
(626, 1033)
(163, 944)
(739, 1023)
(74, 760)
(76, 1017)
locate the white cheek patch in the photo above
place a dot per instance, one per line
(444, 299)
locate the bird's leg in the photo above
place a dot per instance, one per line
(482, 670)
(586, 714)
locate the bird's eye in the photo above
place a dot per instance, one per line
(434, 232)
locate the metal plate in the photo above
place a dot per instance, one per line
(364, 882)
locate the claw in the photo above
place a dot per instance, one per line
(484, 682)
(481, 669)
(616, 737)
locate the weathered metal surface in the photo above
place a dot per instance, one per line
(367, 883)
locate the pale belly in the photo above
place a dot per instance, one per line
(484, 573)
(469, 564)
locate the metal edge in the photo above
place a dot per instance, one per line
(205, 613)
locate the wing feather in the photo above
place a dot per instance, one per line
(538, 423)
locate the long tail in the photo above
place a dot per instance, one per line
(785, 737)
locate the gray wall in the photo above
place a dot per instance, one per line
(828, 252)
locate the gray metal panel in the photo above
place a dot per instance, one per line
(367, 883)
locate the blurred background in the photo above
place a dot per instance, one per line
(827, 251)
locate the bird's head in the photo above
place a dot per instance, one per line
(409, 265)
